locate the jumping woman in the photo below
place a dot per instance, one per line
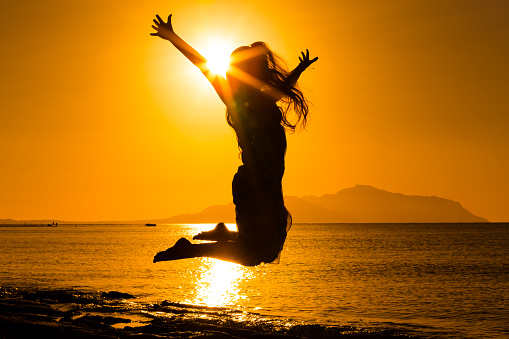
(259, 95)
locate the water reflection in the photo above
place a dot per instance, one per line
(218, 283)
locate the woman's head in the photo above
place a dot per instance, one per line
(248, 62)
(257, 66)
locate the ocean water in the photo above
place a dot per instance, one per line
(415, 280)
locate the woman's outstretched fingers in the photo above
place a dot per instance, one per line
(304, 59)
(163, 29)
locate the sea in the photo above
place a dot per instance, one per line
(333, 280)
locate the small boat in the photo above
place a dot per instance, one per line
(148, 224)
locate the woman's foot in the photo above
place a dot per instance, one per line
(219, 233)
(182, 249)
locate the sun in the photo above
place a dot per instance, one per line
(217, 53)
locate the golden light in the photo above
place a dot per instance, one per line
(217, 53)
(219, 283)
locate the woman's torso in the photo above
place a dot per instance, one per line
(261, 138)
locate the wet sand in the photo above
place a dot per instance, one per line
(74, 314)
(36, 319)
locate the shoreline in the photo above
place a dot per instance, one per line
(68, 313)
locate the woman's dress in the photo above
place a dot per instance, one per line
(262, 219)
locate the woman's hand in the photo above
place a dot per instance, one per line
(164, 29)
(304, 60)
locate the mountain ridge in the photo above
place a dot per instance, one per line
(357, 204)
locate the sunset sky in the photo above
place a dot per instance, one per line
(101, 121)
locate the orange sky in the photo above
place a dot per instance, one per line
(101, 121)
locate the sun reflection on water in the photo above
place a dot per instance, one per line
(217, 282)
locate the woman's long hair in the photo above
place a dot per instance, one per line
(274, 73)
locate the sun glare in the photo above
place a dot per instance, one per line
(217, 54)
(219, 283)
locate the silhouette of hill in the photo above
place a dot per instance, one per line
(212, 214)
(360, 203)
(363, 203)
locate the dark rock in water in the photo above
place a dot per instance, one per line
(27, 307)
(58, 296)
(115, 320)
(117, 295)
(167, 303)
(99, 322)
(92, 321)
(66, 319)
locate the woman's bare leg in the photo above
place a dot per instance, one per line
(231, 251)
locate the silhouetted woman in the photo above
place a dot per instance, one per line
(254, 85)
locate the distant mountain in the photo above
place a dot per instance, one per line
(360, 203)
(363, 203)
(212, 214)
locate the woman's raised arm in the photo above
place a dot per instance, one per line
(291, 80)
(165, 31)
